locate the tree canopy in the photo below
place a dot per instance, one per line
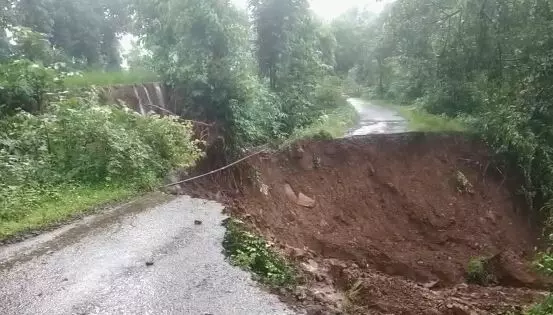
(82, 32)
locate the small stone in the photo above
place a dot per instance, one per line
(392, 187)
(431, 284)
(149, 263)
(297, 152)
(310, 266)
(301, 293)
(298, 253)
(40, 294)
(65, 279)
(372, 171)
(320, 296)
(197, 222)
(315, 310)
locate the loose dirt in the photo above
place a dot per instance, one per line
(387, 224)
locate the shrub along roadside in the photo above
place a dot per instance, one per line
(252, 253)
(544, 308)
(77, 154)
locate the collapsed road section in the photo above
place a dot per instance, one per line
(390, 224)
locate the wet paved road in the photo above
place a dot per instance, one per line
(376, 119)
(98, 265)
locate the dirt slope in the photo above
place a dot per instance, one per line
(399, 216)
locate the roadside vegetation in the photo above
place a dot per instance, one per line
(67, 152)
(421, 120)
(252, 253)
(103, 78)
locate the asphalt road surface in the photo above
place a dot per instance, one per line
(99, 265)
(375, 119)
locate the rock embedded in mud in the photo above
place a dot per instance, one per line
(392, 187)
(298, 252)
(431, 284)
(290, 194)
(297, 152)
(305, 201)
(456, 309)
(372, 171)
(316, 310)
(511, 270)
(301, 293)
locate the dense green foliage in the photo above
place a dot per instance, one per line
(79, 141)
(53, 142)
(544, 308)
(252, 253)
(25, 85)
(77, 32)
(202, 49)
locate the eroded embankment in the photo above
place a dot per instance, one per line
(393, 221)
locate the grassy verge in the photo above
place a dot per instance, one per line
(544, 308)
(334, 124)
(101, 78)
(252, 253)
(420, 120)
(70, 201)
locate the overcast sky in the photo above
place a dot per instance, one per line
(329, 9)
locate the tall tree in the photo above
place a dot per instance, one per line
(85, 30)
(280, 26)
(201, 49)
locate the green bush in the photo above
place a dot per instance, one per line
(25, 85)
(544, 308)
(252, 253)
(544, 263)
(477, 271)
(81, 142)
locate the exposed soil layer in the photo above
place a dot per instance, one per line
(393, 221)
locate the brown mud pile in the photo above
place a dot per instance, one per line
(390, 222)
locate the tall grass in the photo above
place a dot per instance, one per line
(71, 201)
(421, 120)
(100, 78)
